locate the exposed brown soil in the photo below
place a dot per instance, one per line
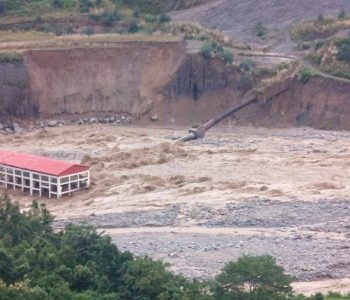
(159, 79)
(197, 205)
(125, 78)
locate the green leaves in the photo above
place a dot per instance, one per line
(82, 264)
(253, 278)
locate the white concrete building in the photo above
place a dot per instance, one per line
(42, 176)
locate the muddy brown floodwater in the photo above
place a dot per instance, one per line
(283, 192)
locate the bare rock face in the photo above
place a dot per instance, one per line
(197, 76)
(15, 98)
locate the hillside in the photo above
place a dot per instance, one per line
(238, 18)
(26, 7)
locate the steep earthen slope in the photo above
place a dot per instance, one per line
(15, 98)
(123, 78)
(158, 79)
(319, 103)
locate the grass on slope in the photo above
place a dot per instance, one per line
(81, 41)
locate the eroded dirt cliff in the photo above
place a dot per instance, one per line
(15, 97)
(124, 78)
(161, 79)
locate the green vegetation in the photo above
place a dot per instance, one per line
(37, 7)
(326, 49)
(10, 57)
(107, 16)
(253, 278)
(79, 263)
(321, 28)
(307, 74)
(216, 50)
(332, 56)
(260, 30)
(318, 29)
(247, 65)
(343, 48)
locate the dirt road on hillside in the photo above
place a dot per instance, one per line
(282, 192)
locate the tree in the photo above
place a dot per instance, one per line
(252, 278)
(147, 279)
(7, 267)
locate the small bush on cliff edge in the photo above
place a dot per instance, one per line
(306, 75)
(213, 49)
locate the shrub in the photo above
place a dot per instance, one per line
(207, 50)
(133, 26)
(320, 18)
(164, 18)
(213, 49)
(247, 65)
(89, 30)
(227, 56)
(283, 66)
(10, 57)
(343, 47)
(260, 30)
(150, 18)
(342, 14)
(314, 58)
(136, 13)
(303, 46)
(319, 45)
(58, 3)
(306, 75)
(311, 30)
(109, 17)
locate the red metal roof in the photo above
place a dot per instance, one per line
(40, 164)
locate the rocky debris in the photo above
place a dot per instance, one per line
(154, 118)
(150, 218)
(15, 128)
(270, 213)
(310, 239)
(53, 123)
(203, 255)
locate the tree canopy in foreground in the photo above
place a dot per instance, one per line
(79, 263)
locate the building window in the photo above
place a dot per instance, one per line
(44, 178)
